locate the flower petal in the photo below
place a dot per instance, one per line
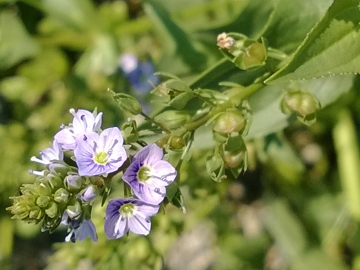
(139, 224)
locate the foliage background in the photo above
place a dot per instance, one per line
(297, 206)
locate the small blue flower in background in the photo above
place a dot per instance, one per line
(83, 121)
(148, 174)
(128, 214)
(140, 74)
(47, 156)
(100, 154)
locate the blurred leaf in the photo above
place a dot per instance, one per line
(316, 259)
(78, 15)
(331, 48)
(285, 228)
(180, 101)
(15, 43)
(178, 46)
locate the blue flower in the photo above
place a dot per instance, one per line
(100, 154)
(79, 229)
(140, 74)
(124, 215)
(83, 121)
(148, 174)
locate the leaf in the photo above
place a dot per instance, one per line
(331, 48)
(180, 49)
(15, 43)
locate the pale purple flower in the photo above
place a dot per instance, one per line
(100, 154)
(73, 182)
(48, 156)
(148, 174)
(83, 121)
(128, 214)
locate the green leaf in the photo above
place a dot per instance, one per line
(331, 48)
(180, 49)
(15, 43)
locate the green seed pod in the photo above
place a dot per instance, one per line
(252, 56)
(176, 143)
(228, 122)
(233, 159)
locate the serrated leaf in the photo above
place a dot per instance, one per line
(331, 48)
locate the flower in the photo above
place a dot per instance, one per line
(99, 154)
(148, 174)
(140, 74)
(79, 229)
(83, 121)
(48, 156)
(124, 215)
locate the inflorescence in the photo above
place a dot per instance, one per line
(64, 191)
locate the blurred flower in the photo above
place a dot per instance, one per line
(140, 74)
(100, 154)
(83, 121)
(47, 156)
(124, 215)
(148, 174)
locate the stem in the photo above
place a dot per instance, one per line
(248, 91)
(155, 123)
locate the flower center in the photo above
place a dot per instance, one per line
(101, 158)
(144, 173)
(127, 209)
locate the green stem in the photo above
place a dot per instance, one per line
(248, 91)
(155, 123)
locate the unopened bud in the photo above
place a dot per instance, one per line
(73, 182)
(61, 195)
(43, 201)
(74, 210)
(52, 210)
(172, 119)
(129, 131)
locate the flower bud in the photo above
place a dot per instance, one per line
(54, 180)
(52, 210)
(129, 131)
(228, 122)
(59, 169)
(36, 214)
(128, 103)
(61, 195)
(89, 194)
(73, 182)
(43, 201)
(73, 210)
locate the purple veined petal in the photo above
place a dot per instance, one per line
(50, 154)
(110, 138)
(98, 122)
(87, 228)
(149, 194)
(139, 224)
(148, 209)
(149, 154)
(89, 194)
(83, 121)
(163, 173)
(66, 138)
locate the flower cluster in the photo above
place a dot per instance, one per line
(64, 194)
